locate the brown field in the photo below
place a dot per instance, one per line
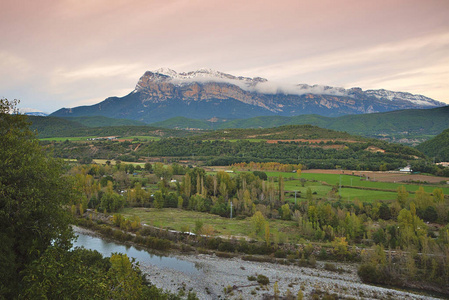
(384, 176)
(311, 141)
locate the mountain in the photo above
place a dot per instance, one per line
(204, 94)
(437, 147)
(32, 112)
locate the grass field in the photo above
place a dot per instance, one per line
(177, 219)
(351, 181)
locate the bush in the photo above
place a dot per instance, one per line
(262, 279)
(280, 254)
(226, 247)
(330, 267)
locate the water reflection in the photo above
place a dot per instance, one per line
(106, 248)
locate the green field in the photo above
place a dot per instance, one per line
(176, 219)
(384, 190)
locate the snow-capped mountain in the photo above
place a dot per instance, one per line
(32, 112)
(206, 93)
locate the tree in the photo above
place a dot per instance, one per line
(402, 195)
(258, 222)
(148, 167)
(286, 213)
(281, 189)
(33, 192)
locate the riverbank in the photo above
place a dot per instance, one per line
(227, 278)
(232, 274)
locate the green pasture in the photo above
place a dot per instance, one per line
(354, 181)
(177, 219)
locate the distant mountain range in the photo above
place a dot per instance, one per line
(204, 94)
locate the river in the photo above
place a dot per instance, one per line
(106, 248)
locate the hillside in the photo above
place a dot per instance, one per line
(438, 147)
(53, 126)
(48, 127)
(288, 132)
(411, 126)
(311, 146)
(101, 121)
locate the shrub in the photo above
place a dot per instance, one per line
(330, 267)
(224, 254)
(226, 246)
(280, 254)
(262, 279)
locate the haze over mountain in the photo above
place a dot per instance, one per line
(205, 94)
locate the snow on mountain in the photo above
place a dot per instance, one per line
(263, 86)
(394, 96)
(32, 112)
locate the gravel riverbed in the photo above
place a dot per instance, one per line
(214, 274)
(217, 273)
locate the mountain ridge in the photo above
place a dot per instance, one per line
(205, 93)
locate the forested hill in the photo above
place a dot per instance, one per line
(411, 126)
(53, 126)
(100, 121)
(47, 127)
(288, 132)
(437, 147)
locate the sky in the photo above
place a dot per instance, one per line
(67, 53)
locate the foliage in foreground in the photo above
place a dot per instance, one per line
(35, 260)
(85, 274)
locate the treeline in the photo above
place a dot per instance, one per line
(270, 166)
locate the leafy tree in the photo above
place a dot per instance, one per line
(384, 212)
(262, 175)
(258, 222)
(286, 213)
(402, 195)
(148, 167)
(32, 193)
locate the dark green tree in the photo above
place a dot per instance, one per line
(32, 195)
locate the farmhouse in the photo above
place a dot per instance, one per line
(406, 169)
